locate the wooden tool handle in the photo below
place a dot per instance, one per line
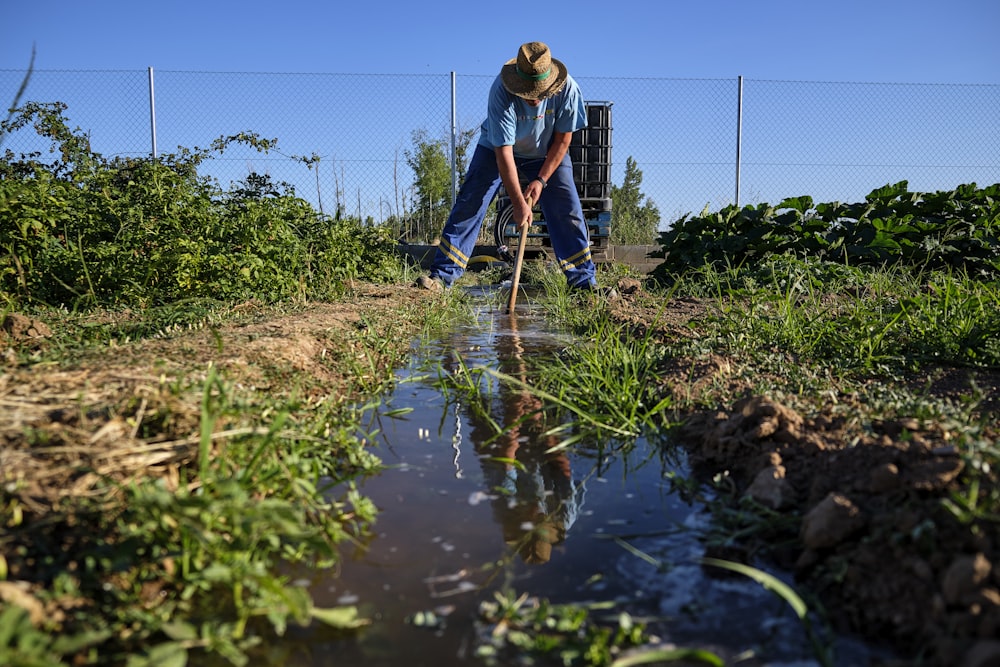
(515, 281)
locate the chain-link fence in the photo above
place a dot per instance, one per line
(696, 142)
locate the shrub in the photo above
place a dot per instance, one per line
(87, 231)
(956, 229)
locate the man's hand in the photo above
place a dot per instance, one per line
(522, 213)
(508, 174)
(533, 190)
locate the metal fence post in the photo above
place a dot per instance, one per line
(739, 135)
(152, 113)
(454, 142)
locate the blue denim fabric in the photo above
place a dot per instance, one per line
(560, 204)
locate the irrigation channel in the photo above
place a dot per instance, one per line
(458, 521)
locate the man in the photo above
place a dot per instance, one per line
(533, 109)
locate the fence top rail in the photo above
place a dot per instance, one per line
(425, 75)
(679, 141)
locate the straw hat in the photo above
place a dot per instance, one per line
(535, 546)
(534, 74)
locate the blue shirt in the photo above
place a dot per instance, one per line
(511, 121)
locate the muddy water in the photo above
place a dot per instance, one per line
(458, 521)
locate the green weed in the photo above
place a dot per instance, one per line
(530, 626)
(88, 231)
(609, 381)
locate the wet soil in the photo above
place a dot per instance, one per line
(873, 539)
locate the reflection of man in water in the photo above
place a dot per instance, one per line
(534, 499)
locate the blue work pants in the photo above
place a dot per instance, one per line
(561, 209)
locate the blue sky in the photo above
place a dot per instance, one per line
(670, 68)
(920, 41)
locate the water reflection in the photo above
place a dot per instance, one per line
(531, 489)
(472, 501)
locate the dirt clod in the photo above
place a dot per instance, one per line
(831, 522)
(19, 329)
(965, 577)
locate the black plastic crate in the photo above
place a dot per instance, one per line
(590, 152)
(598, 130)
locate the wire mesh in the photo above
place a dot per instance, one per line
(830, 140)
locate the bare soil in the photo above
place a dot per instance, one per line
(873, 539)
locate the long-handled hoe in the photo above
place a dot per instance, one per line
(518, 261)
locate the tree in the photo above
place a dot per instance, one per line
(635, 218)
(432, 175)
(431, 164)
